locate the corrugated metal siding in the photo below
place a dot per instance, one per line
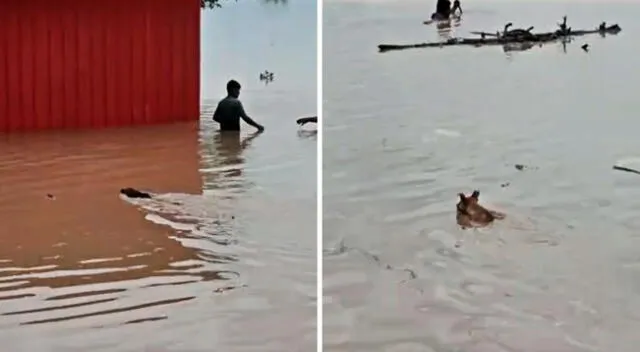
(92, 64)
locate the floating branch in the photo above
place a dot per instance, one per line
(513, 36)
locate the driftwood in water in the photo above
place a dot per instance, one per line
(501, 39)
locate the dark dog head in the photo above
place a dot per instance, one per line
(469, 212)
(466, 204)
(134, 193)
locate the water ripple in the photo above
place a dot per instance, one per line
(76, 257)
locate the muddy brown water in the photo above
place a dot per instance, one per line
(203, 264)
(405, 132)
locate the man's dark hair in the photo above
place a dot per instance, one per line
(232, 85)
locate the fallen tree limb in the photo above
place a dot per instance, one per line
(507, 38)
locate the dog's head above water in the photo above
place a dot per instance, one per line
(470, 213)
(134, 193)
(466, 202)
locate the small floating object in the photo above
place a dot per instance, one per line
(51, 196)
(585, 47)
(266, 76)
(522, 167)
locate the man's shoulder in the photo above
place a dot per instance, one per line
(230, 101)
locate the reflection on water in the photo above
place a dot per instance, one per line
(74, 254)
(445, 28)
(224, 160)
(405, 132)
(80, 253)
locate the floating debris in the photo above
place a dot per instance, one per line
(510, 37)
(522, 167)
(266, 77)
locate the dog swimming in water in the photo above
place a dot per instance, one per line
(134, 193)
(469, 213)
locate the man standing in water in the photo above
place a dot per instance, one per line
(230, 110)
(456, 7)
(443, 9)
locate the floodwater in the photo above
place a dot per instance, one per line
(223, 259)
(405, 132)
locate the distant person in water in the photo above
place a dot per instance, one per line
(230, 110)
(443, 9)
(456, 7)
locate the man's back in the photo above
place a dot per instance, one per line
(230, 110)
(228, 114)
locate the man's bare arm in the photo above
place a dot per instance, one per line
(249, 120)
(216, 118)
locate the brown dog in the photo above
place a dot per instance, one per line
(471, 214)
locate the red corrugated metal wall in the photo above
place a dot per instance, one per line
(98, 63)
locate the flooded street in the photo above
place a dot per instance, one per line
(405, 132)
(223, 258)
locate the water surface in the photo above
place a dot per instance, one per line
(406, 131)
(223, 258)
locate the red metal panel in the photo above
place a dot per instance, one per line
(160, 41)
(150, 74)
(78, 63)
(42, 81)
(56, 66)
(27, 67)
(124, 44)
(83, 60)
(178, 65)
(112, 110)
(171, 25)
(14, 97)
(192, 37)
(70, 69)
(98, 65)
(138, 29)
(4, 108)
